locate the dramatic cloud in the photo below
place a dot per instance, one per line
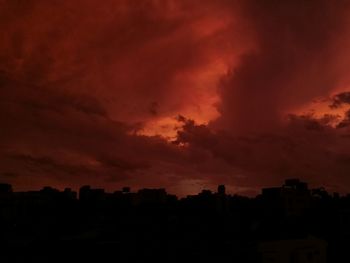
(340, 99)
(131, 56)
(175, 94)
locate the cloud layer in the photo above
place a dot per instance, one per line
(176, 94)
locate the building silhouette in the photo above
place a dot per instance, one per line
(292, 199)
(288, 223)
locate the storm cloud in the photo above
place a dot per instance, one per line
(175, 94)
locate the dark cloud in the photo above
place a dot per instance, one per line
(307, 147)
(46, 164)
(83, 83)
(47, 99)
(123, 53)
(345, 122)
(340, 99)
(295, 60)
(121, 164)
(154, 108)
(7, 175)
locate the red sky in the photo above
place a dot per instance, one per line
(179, 94)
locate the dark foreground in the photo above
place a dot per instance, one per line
(284, 224)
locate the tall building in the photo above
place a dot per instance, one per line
(86, 193)
(221, 189)
(292, 199)
(5, 188)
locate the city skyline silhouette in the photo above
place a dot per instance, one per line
(289, 223)
(175, 131)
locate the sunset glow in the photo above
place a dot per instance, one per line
(162, 93)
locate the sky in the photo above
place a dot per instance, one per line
(184, 94)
